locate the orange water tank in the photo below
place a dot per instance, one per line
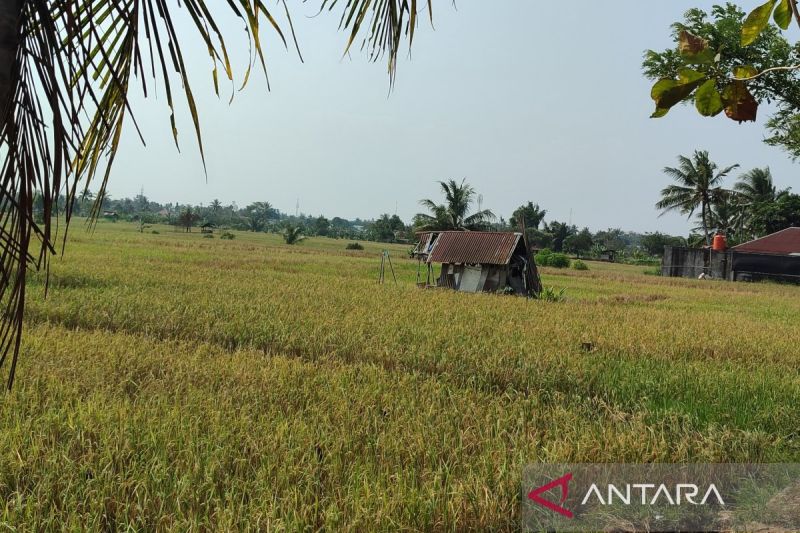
(720, 243)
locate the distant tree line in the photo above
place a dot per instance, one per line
(753, 207)
(256, 217)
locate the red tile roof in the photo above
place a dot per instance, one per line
(479, 247)
(783, 242)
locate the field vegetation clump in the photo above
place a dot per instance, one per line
(547, 257)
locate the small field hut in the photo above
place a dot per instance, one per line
(477, 261)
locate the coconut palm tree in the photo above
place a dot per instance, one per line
(698, 187)
(216, 206)
(261, 212)
(66, 70)
(754, 190)
(253, 224)
(756, 186)
(188, 218)
(531, 214)
(454, 213)
(293, 234)
(725, 215)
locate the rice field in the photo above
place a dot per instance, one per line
(175, 382)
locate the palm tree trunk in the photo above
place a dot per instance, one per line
(705, 224)
(10, 18)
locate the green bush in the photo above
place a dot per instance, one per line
(580, 265)
(155, 232)
(645, 261)
(354, 246)
(558, 261)
(551, 259)
(227, 235)
(543, 256)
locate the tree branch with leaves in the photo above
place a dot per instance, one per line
(732, 64)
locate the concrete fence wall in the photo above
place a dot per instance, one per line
(683, 262)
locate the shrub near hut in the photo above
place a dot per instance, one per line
(548, 258)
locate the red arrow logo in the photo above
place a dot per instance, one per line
(562, 482)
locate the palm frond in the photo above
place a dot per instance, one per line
(481, 219)
(388, 21)
(724, 172)
(430, 204)
(683, 176)
(676, 197)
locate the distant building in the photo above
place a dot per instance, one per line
(773, 257)
(477, 261)
(608, 255)
(784, 242)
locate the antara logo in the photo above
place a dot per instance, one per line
(562, 482)
(651, 494)
(633, 493)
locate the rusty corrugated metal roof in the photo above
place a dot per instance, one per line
(424, 238)
(479, 247)
(783, 242)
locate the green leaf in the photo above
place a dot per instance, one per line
(659, 112)
(667, 92)
(708, 100)
(687, 75)
(756, 21)
(662, 86)
(783, 14)
(744, 71)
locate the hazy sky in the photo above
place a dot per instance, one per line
(528, 100)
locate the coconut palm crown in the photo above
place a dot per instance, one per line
(698, 186)
(454, 213)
